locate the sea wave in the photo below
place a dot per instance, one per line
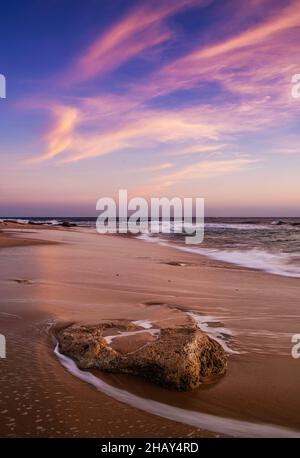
(274, 263)
(238, 226)
(53, 222)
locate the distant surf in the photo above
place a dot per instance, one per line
(269, 245)
(278, 264)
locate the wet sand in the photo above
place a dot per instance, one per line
(10, 229)
(84, 277)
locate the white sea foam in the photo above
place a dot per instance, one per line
(53, 222)
(242, 227)
(217, 333)
(10, 315)
(146, 324)
(149, 238)
(205, 421)
(274, 263)
(109, 339)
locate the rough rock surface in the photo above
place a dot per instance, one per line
(180, 358)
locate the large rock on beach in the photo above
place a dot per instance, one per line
(180, 358)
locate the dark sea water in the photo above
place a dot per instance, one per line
(269, 244)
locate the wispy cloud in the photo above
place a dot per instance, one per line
(204, 169)
(141, 29)
(198, 149)
(155, 168)
(82, 132)
(284, 19)
(257, 62)
(60, 136)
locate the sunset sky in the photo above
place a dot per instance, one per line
(163, 98)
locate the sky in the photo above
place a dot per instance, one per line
(164, 98)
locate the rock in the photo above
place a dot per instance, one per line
(22, 280)
(14, 221)
(67, 224)
(181, 358)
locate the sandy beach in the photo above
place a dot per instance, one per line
(52, 276)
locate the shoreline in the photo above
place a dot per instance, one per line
(116, 277)
(10, 228)
(10, 234)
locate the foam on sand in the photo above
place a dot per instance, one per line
(109, 339)
(217, 333)
(227, 426)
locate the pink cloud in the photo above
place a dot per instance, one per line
(141, 29)
(206, 169)
(59, 137)
(256, 62)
